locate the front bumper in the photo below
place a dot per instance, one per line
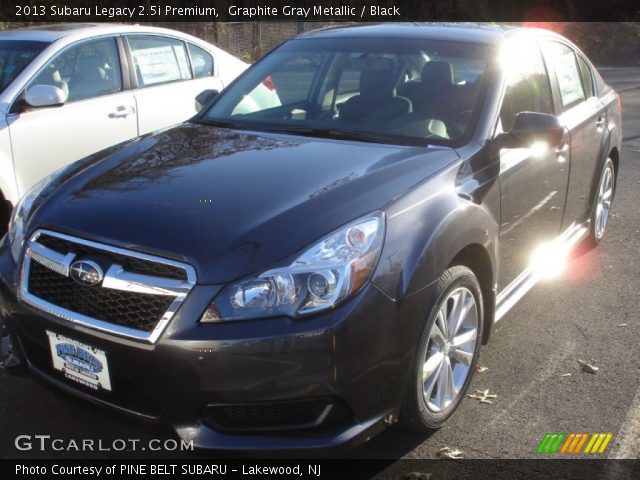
(354, 359)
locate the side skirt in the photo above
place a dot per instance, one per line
(524, 282)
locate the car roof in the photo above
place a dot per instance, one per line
(487, 33)
(474, 32)
(52, 32)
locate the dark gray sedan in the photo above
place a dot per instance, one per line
(300, 270)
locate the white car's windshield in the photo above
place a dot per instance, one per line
(387, 90)
(15, 55)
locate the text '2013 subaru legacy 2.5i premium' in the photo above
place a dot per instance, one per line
(301, 273)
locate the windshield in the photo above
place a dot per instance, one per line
(403, 91)
(15, 55)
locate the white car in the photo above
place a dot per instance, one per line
(67, 91)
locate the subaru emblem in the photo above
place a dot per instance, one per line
(86, 273)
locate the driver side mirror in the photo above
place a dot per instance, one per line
(204, 98)
(44, 96)
(531, 127)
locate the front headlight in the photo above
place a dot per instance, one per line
(329, 272)
(21, 212)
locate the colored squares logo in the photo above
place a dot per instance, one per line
(572, 443)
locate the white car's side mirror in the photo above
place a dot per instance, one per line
(44, 96)
(204, 98)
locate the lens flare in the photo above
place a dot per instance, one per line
(515, 58)
(549, 260)
(538, 149)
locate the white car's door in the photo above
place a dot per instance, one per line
(169, 74)
(98, 113)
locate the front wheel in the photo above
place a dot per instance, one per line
(447, 351)
(602, 202)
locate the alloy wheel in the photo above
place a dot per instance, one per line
(603, 202)
(450, 350)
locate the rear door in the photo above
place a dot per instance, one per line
(98, 112)
(582, 112)
(168, 74)
(533, 181)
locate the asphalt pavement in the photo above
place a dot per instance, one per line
(591, 313)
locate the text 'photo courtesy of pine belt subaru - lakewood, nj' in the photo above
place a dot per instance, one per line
(302, 274)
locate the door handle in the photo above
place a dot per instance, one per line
(122, 112)
(561, 152)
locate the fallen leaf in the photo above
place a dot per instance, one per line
(483, 396)
(482, 369)
(417, 476)
(588, 367)
(446, 452)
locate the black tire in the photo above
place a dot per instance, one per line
(414, 413)
(595, 237)
(5, 213)
(11, 361)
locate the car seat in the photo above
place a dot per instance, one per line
(377, 99)
(91, 78)
(435, 83)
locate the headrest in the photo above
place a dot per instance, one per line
(91, 68)
(438, 73)
(377, 83)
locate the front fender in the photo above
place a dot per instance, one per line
(429, 227)
(611, 141)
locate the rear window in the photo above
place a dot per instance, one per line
(587, 77)
(15, 55)
(567, 73)
(201, 61)
(159, 60)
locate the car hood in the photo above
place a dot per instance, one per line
(231, 203)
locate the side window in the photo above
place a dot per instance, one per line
(201, 61)
(565, 66)
(528, 88)
(289, 83)
(158, 60)
(341, 82)
(587, 77)
(293, 79)
(87, 70)
(349, 83)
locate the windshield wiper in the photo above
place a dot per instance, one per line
(338, 134)
(333, 133)
(220, 123)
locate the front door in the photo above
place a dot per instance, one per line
(533, 181)
(96, 115)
